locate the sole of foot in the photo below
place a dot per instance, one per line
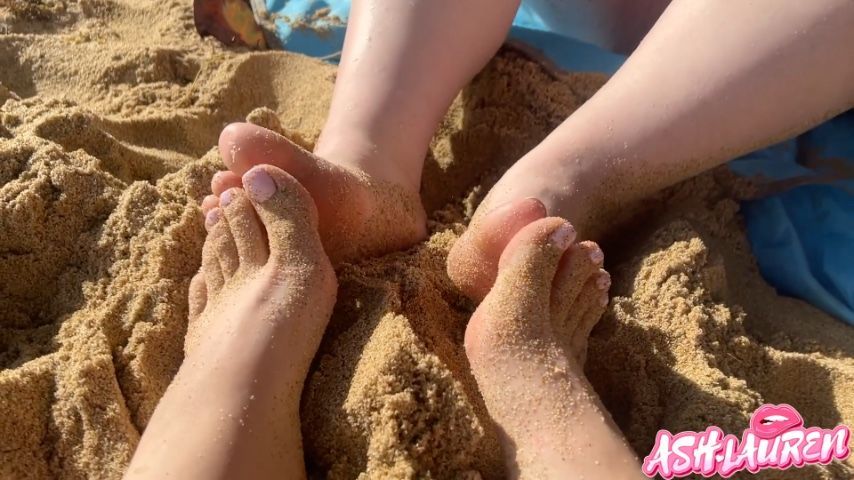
(359, 215)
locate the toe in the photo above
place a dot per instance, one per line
(246, 230)
(288, 215)
(517, 306)
(211, 269)
(473, 261)
(592, 302)
(243, 146)
(212, 218)
(580, 262)
(222, 243)
(209, 203)
(197, 297)
(222, 181)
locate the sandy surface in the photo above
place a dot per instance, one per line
(111, 112)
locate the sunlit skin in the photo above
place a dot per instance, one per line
(708, 81)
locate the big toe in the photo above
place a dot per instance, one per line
(243, 146)
(473, 261)
(516, 309)
(289, 218)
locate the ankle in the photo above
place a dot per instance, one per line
(354, 150)
(570, 190)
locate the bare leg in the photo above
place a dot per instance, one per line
(402, 65)
(712, 80)
(258, 310)
(526, 345)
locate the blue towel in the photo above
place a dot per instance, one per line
(803, 238)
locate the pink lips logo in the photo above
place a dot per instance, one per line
(776, 439)
(770, 420)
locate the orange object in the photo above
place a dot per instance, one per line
(230, 21)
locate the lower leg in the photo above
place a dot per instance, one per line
(402, 65)
(711, 81)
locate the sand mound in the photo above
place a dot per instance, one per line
(111, 112)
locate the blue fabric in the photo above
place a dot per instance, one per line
(326, 37)
(803, 239)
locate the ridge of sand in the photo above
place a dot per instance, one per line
(110, 110)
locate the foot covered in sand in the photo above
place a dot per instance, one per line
(361, 213)
(258, 310)
(262, 266)
(526, 344)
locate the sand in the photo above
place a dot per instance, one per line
(112, 109)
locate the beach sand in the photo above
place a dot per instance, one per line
(112, 111)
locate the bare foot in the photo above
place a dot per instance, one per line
(262, 244)
(361, 213)
(258, 310)
(519, 198)
(526, 345)
(473, 261)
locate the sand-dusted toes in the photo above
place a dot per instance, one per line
(262, 259)
(580, 262)
(289, 216)
(579, 296)
(209, 203)
(548, 294)
(246, 229)
(583, 314)
(473, 261)
(517, 309)
(217, 240)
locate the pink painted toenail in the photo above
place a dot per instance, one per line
(597, 256)
(563, 236)
(226, 197)
(212, 217)
(603, 282)
(259, 184)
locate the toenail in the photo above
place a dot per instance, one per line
(603, 300)
(212, 217)
(563, 236)
(226, 197)
(603, 282)
(259, 184)
(597, 256)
